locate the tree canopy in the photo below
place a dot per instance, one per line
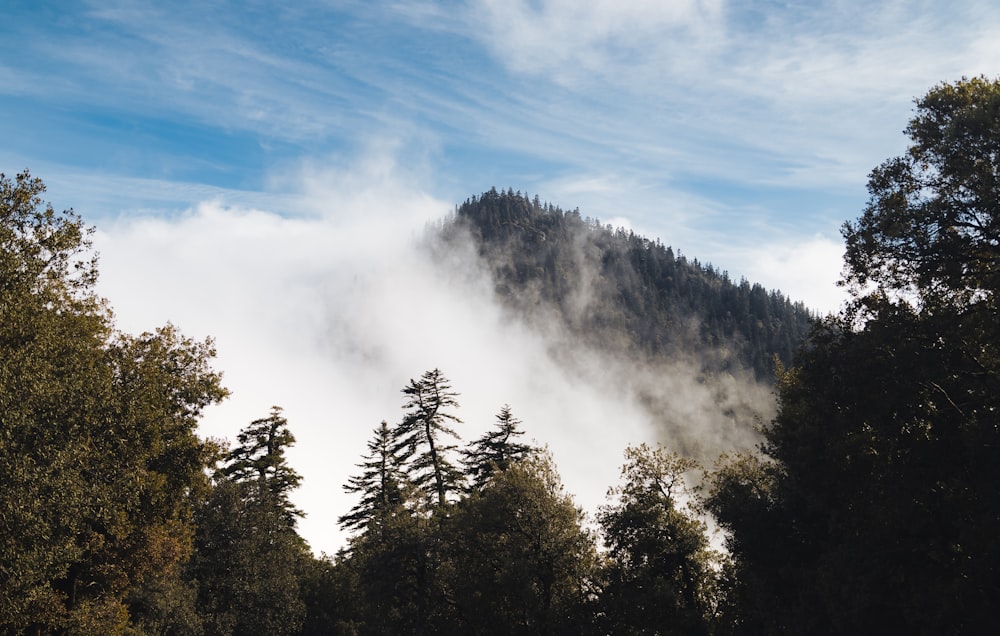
(98, 451)
(876, 507)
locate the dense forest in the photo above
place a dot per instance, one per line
(668, 326)
(625, 293)
(870, 505)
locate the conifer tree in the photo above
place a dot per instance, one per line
(421, 436)
(260, 459)
(249, 559)
(496, 450)
(380, 485)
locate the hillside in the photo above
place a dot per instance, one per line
(622, 293)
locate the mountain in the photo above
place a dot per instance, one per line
(622, 293)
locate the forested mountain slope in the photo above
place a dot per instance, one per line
(624, 293)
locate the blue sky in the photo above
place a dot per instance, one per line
(247, 164)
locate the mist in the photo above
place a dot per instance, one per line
(329, 313)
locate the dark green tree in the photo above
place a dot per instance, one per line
(249, 559)
(98, 451)
(391, 579)
(496, 450)
(740, 496)
(520, 559)
(660, 577)
(260, 459)
(381, 485)
(878, 511)
(421, 436)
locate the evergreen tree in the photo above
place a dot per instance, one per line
(421, 436)
(390, 578)
(622, 293)
(260, 459)
(496, 450)
(380, 485)
(249, 560)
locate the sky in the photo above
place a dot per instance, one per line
(260, 173)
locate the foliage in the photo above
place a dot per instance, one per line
(98, 452)
(249, 561)
(660, 577)
(930, 230)
(380, 484)
(496, 450)
(420, 436)
(509, 555)
(879, 512)
(624, 293)
(260, 460)
(519, 554)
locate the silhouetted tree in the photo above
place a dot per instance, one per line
(496, 450)
(660, 577)
(380, 484)
(879, 510)
(420, 438)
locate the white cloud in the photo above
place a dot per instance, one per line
(785, 94)
(330, 315)
(568, 39)
(805, 269)
(329, 312)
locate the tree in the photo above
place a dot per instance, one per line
(876, 511)
(380, 484)
(98, 451)
(660, 576)
(930, 229)
(520, 559)
(496, 450)
(420, 436)
(924, 263)
(249, 560)
(260, 459)
(740, 497)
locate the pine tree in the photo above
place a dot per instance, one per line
(420, 436)
(249, 559)
(495, 450)
(260, 459)
(380, 485)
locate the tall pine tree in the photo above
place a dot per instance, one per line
(422, 436)
(496, 450)
(249, 559)
(380, 485)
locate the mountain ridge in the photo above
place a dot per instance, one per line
(623, 293)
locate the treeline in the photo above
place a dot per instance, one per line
(118, 519)
(483, 539)
(625, 293)
(870, 508)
